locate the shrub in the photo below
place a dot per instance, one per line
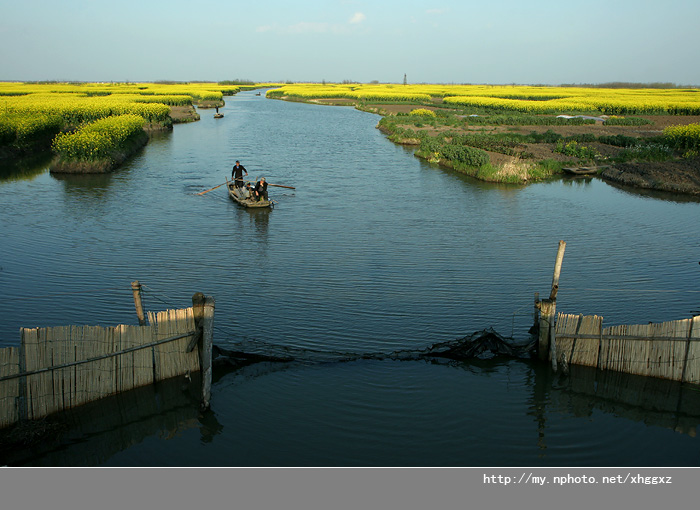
(619, 140)
(548, 136)
(468, 156)
(646, 152)
(575, 150)
(683, 138)
(423, 112)
(626, 121)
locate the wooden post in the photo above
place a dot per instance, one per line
(23, 408)
(553, 299)
(557, 270)
(203, 307)
(552, 336)
(198, 312)
(548, 312)
(136, 289)
(687, 349)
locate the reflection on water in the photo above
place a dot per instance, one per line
(680, 198)
(577, 182)
(655, 402)
(91, 434)
(25, 168)
(534, 417)
(84, 185)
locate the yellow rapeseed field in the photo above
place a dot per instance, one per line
(526, 99)
(33, 110)
(97, 140)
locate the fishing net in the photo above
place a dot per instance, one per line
(482, 344)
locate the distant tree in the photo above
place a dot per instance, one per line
(237, 82)
(405, 82)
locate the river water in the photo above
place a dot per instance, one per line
(374, 251)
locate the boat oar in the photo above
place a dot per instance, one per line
(211, 189)
(281, 186)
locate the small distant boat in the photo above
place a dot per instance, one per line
(238, 196)
(257, 94)
(218, 115)
(584, 170)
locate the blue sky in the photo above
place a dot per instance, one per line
(431, 41)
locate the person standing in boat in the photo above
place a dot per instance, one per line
(237, 174)
(260, 190)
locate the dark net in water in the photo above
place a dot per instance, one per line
(482, 344)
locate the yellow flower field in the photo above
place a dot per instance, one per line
(99, 139)
(33, 110)
(526, 99)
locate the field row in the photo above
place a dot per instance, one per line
(526, 99)
(32, 114)
(100, 139)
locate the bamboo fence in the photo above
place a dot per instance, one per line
(67, 366)
(9, 390)
(668, 350)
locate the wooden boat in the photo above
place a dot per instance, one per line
(236, 196)
(584, 170)
(218, 115)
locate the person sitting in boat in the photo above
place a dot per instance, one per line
(237, 174)
(245, 191)
(260, 191)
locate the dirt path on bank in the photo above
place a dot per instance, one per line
(181, 114)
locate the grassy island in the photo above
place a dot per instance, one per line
(99, 146)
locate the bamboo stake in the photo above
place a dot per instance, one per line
(206, 351)
(691, 369)
(557, 270)
(136, 289)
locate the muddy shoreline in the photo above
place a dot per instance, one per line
(183, 114)
(671, 176)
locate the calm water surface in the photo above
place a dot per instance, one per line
(374, 251)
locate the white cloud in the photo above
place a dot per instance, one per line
(309, 28)
(305, 27)
(358, 17)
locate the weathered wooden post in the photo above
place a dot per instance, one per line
(557, 270)
(136, 289)
(548, 311)
(693, 322)
(203, 307)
